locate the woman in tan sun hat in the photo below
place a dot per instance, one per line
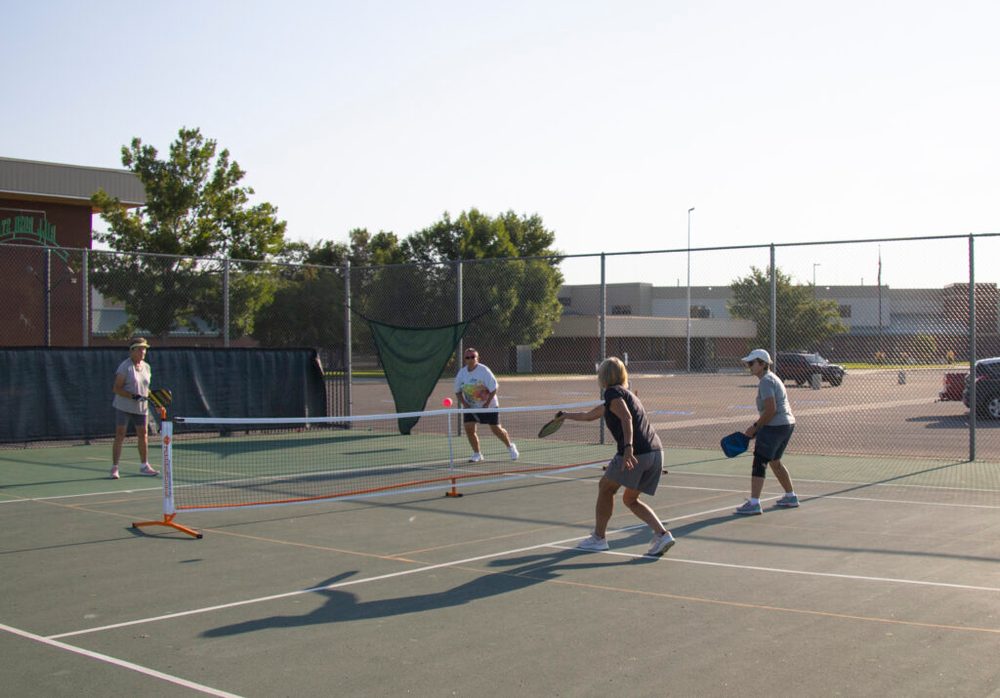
(131, 389)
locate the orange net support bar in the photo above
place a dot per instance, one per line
(168, 521)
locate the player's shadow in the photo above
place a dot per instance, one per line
(343, 606)
(641, 535)
(691, 527)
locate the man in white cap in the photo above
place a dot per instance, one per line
(772, 431)
(131, 389)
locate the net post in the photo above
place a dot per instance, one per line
(167, 467)
(167, 473)
(453, 492)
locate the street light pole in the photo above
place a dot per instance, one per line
(815, 264)
(689, 291)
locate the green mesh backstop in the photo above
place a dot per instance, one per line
(414, 359)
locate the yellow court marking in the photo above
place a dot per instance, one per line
(764, 607)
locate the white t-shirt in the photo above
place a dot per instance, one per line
(476, 384)
(136, 383)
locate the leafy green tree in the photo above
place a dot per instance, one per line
(412, 282)
(519, 298)
(804, 322)
(307, 310)
(308, 304)
(195, 207)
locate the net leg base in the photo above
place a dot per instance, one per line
(453, 492)
(168, 521)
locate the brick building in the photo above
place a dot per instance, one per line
(45, 224)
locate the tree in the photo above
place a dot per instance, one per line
(803, 321)
(308, 304)
(307, 310)
(518, 297)
(413, 282)
(195, 209)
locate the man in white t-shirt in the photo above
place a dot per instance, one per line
(131, 389)
(476, 387)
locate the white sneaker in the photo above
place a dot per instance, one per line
(592, 542)
(114, 472)
(661, 544)
(748, 509)
(476, 457)
(147, 469)
(514, 453)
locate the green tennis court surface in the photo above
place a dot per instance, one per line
(885, 581)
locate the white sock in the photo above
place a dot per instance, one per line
(754, 501)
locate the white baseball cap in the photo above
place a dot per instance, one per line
(757, 354)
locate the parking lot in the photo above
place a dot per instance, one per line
(874, 412)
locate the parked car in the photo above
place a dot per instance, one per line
(799, 366)
(987, 388)
(954, 387)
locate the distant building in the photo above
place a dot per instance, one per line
(649, 323)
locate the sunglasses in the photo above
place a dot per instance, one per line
(471, 356)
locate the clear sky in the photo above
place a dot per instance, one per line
(779, 120)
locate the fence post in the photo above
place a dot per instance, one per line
(225, 302)
(459, 302)
(774, 308)
(972, 348)
(604, 326)
(348, 341)
(604, 310)
(85, 290)
(47, 274)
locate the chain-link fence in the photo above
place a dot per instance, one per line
(883, 369)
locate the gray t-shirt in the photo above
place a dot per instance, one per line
(771, 386)
(136, 383)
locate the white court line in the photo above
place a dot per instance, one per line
(119, 662)
(846, 483)
(899, 501)
(561, 544)
(815, 496)
(780, 570)
(84, 494)
(312, 590)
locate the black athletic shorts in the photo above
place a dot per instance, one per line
(482, 417)
(771, 441)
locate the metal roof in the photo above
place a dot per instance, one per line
(54, 182)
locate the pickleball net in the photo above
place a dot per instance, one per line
(223, 463)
